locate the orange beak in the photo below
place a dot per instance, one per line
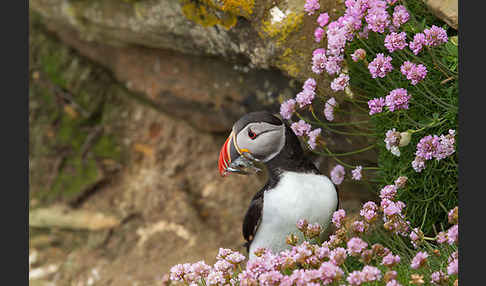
(224, 156)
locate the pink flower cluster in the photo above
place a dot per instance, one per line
(400, 16)
(356, 173)
(395, 41)
(413, 72)
(340, 82)
(303, 98)
(433, 146)
(311, 6)
(312, 264)
(307, 94)
(329, 108)
(397, 99)
(431, 37)
(226, 264)
(380, 66)
(301, 128)
(392, 141)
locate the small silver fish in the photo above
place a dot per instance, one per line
(244, 165)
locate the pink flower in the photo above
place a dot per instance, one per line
(355, 278)
(310, 84)
(392, 141)
(453, 267)
(417, 43)
(376, 105)
(364, 33)
(418, 164)
(377, 19)
(397, 99)
(390, 260)
(446, 146)
(415, 235)
(395, 41)
(400, 16)
(453, 234)
(337, 174)
(388, 192)
(215, 278)
(392, 208)
(356, 245)
(370, 273)
(329, 272)
(359, 54)
(401, 181)
(270, 278)
(333, 64)
(319, 60)
(302, 224)
(369, 211)
(310, 6)
(427, 147)
(419, 260)
(305, 97)
(438, 277)
(338, 256)
(413, 72)
(441, 237)
(300, 128)
(235, 258)
(380, 66)
(393, 283)
(318, 34)
(287, 108)
(312, 137)
(357, 173)
(340, 82)
(453, 215)
(337, 217)
(201, 269)
(329, 108)
(323, 19)
(358, 226)
(435, 36)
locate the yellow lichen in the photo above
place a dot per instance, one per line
(238, 7)
(281, 30)
(206, 14)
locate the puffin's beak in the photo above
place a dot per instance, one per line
(226, 155)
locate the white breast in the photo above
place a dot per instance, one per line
(296, 196)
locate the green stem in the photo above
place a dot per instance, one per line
(348, 153)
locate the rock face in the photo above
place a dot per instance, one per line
(208, 93)
(447, 10)
(258, 33)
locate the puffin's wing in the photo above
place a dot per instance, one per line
(253, 217)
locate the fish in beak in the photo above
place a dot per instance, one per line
(234, 160)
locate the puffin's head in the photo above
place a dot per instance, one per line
(257, 136)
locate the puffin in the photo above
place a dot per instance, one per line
(295, 188)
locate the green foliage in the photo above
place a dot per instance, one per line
(67, 96)
(432, 110)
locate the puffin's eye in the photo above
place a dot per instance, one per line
(251, 134)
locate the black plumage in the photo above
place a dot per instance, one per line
(291, 158)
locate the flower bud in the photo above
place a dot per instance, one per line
(292, 239)
(417, 279)
(405, 138)
(401, 181)
(390, 275)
